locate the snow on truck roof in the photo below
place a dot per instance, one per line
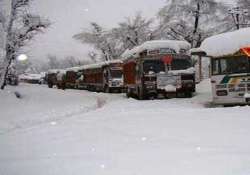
(73, 69)
(93, 66)
(225, 44)
(176, 45)
(51, 71)
(101, 64)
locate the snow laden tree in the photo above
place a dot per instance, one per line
(112, 43)
(193, 20)
(133, 31)
(99, 38)
(20, 28)
(243, 12)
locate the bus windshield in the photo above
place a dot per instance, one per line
(181, 64)
(116, 73)
(154, 66)
(230, 65)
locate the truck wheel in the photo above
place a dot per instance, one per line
(141, 95)
(50, 85)
(106, 89)
(128, 93)
(188, 94)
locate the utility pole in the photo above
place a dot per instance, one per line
(238, 15)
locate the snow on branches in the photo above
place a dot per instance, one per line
(21, 27)
(193, 20)
(112, 43)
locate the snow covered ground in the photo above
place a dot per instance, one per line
(55, 132)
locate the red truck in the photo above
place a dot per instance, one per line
(71, 76)
(159, 68)
(105, 76)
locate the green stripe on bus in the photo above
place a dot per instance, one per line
(225, 80)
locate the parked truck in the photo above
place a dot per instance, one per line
(71, 76)
(51, 77)
(159, 69)
(105, 76)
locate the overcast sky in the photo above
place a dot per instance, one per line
(72, 16)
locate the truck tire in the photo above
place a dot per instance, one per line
(128, 93)
(188, 94)
(141, 95)
(106, 89)
(50, 85)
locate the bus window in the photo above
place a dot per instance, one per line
(215, 67)
(224, 67)
(230, 65)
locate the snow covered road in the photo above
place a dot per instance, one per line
(70, 132)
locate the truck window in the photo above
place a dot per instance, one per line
(181, 64)
(154, 66)
(116, 73)
(215, 67)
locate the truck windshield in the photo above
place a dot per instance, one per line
(181, 64)
(116, 73)
(231, 65)
(154, 66)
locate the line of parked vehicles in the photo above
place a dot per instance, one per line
(152, 70)
(165, 69)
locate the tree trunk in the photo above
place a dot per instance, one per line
(9, 55)
(196, 23)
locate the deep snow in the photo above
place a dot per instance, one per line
(226, 43)
(52, 131)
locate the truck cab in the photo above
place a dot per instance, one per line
(156, 71)
(113, 77)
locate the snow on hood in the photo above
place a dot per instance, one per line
(226, 43)
(73, 69)
(157, 44)
(190, 70)
(30, 76)
(51, 71)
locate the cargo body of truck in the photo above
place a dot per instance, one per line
(71, 76)
(51, 77)
(159, 68)
(106, 76)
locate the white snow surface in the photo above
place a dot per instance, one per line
(56, 132)
(51, 71)
(29, 76)
(101, 64)
(94, 65)
(157, 44)
(170, 88)
(226, 43)
(190, 70)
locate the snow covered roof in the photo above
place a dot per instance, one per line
(74, 69)
(176, 45)
(225, 44)
(51, 71)
(30, 76)
(101, 64)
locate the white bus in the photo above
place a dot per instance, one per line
(229, 55)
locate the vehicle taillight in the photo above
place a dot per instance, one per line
(221, 93)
